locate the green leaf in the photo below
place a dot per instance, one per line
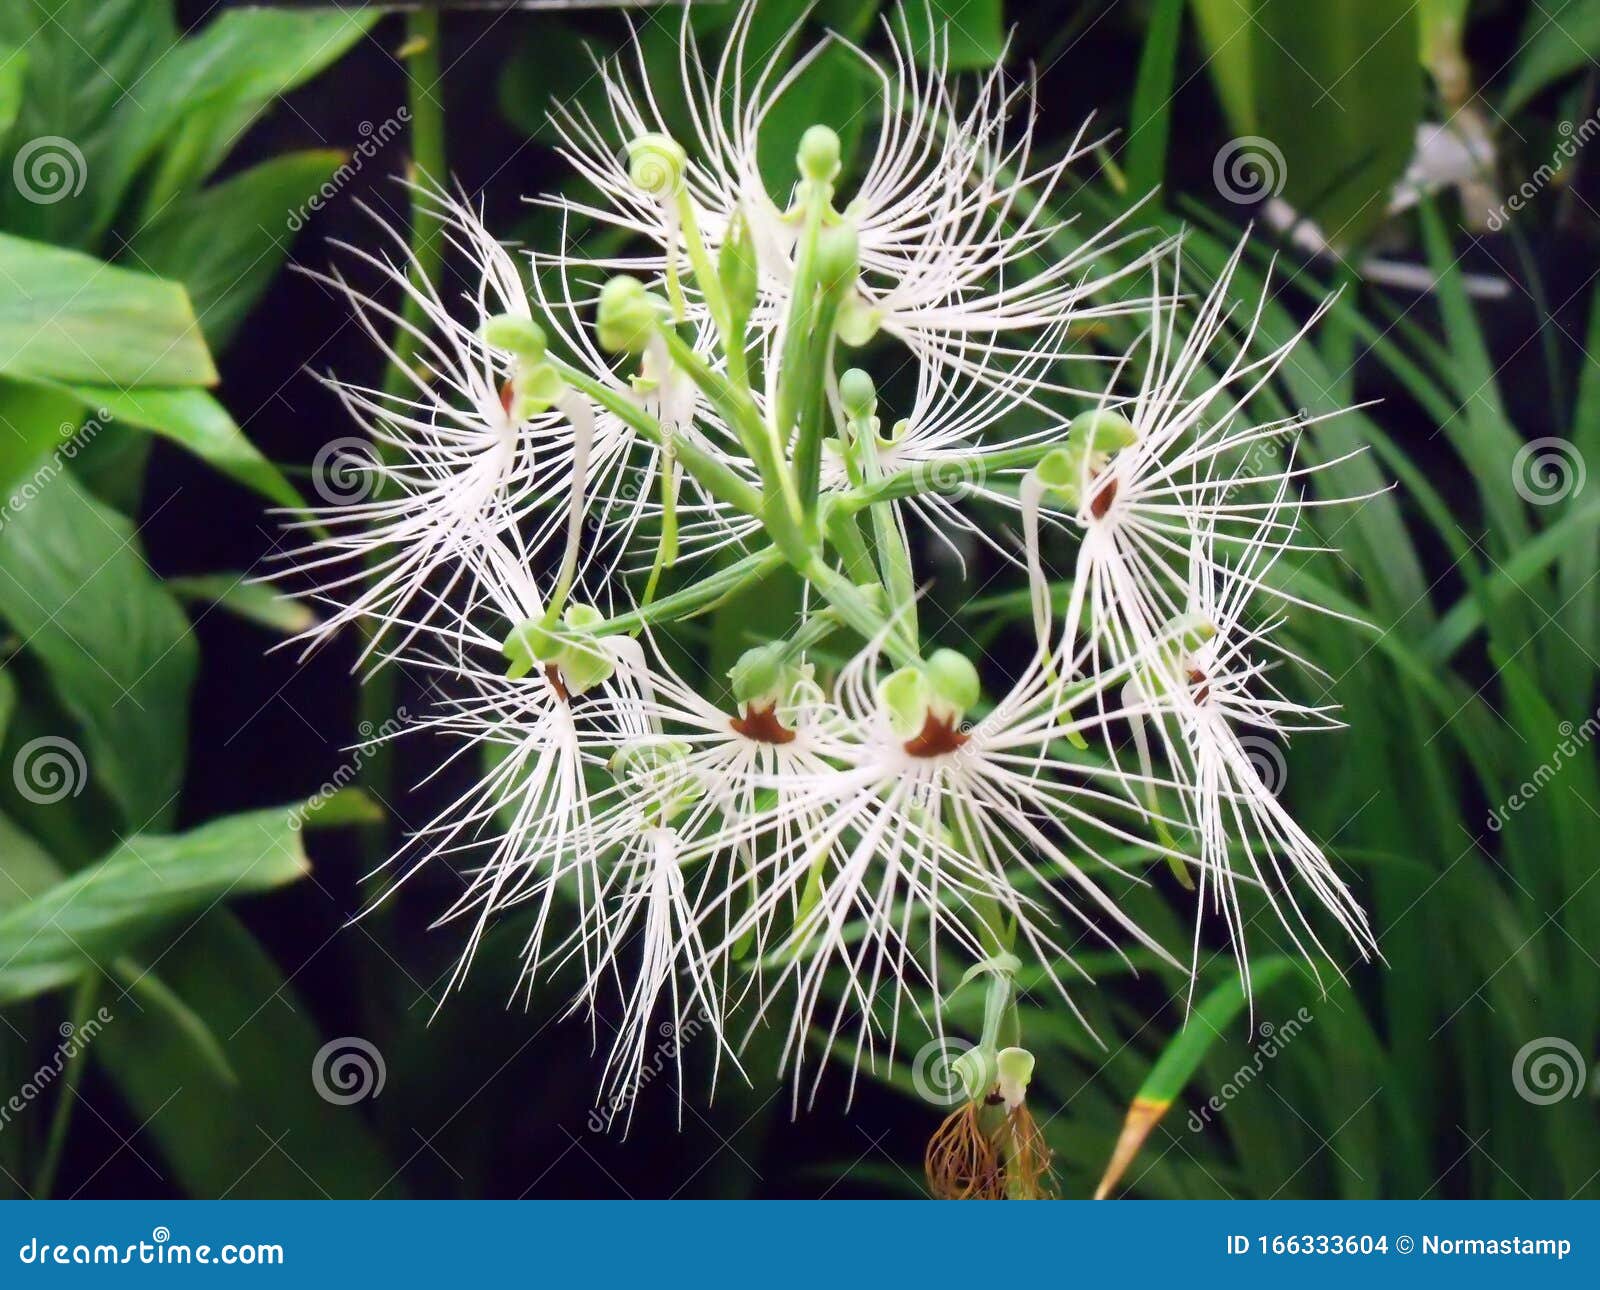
(249, 600)
(194, 420)
(1336, 89)
(116, 647)
(1559, 38)
(199, 101)
(1211, 1019)
(1151, 118)
(68, 317)
(268, 1135)
(13, 68)
(33, 418)
(149, 881)
(975, 30)
(226, 243)
(85, 58)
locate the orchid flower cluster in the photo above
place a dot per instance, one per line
(603, 449)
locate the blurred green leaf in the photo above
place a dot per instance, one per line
(1150, 120)
(83, 55)
(33, 418)
(197, 102)
(974, 31)
(1336, 89)
(13, 69)
(1558, 38)
(116, 647)
(66, 316)
(249, 600)
(226, 243)
(271, 1134)
(195, 421)
(150, 880)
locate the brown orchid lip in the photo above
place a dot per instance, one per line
(937, 736)
(1104, 495)
(552, 674)
(762, 725)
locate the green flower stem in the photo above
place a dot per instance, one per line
(844, 531)
(425, 91)
(815, 377)
(894, 556)
(909, 483)
(698, 598)
(781, 510)
(712, 475)
(83, 1001)
(792, 387)
(856, 608)
(705, 272)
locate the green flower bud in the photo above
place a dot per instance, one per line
(818, 157)
(977, 1070)
(1013, 1072)
(656, 164)
(515, 335)
(536, 390)
(857, 321)
(953, 681)
(857, 395)
(526, 646)
(758, 674)
(584, 664)
(904, 695)
(738, 268)
(838, 256)
(628, 315)
(1100, 432)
